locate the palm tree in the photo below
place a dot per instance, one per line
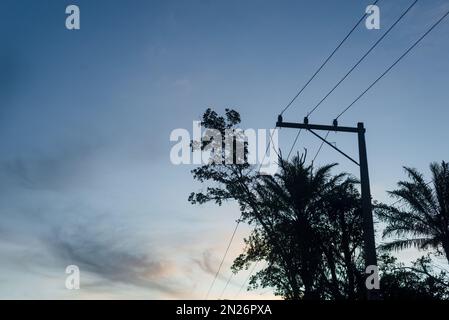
(306, 222)
(314, 215)
(422, 220)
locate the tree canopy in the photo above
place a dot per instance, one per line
(307, 228)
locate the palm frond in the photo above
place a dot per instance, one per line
(396, 245)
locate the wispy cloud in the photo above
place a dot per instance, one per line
(112, 260)
(209, 264)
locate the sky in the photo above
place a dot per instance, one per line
(86, 115)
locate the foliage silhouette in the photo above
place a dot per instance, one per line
(423, 219)
(417, 282)
(306, 224)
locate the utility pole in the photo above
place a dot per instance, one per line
(367, 210)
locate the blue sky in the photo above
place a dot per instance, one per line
(85, 119)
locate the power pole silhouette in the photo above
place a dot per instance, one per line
(367, 210)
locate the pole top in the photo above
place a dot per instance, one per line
(361, 127)
(280, 118)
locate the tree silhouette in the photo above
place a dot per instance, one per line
(423, 219)
(417, 282)
(314, 217)
(307, 222)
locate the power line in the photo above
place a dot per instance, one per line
(238, 222)
(224, 257)
(227, 284)
(294, 143)
(324, 63)
(380, 77)
(317, 71)
(362, 58)
(394, 64)
(344, 110)
(265, 153)
(321, 146)
(270, 141)
(247, 278)
(229, 279)
(282, 112)
(397, 201)
(250, 274)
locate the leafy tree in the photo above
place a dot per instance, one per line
(315, 217)
(306, 222)
(417, 282)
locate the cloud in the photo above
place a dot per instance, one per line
(208, 264)
(43, 209)
(92, 206)
(112, 259)
(52, 171)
